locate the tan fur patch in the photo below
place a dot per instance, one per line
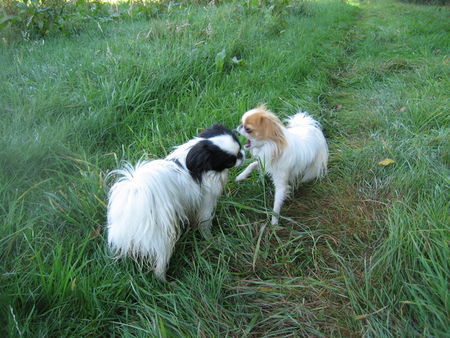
(265, 125)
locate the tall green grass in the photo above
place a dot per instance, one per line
(361, 252)
(399, 74)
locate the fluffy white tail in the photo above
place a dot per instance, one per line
(302, 119)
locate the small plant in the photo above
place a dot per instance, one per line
(144, 8)
(428, 2)
(39, 18)
(274, 6)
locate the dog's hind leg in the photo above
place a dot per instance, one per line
(281, 191)
(163, 252)
(160, 269)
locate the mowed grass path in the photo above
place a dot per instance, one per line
(362, 252)
(394, 93)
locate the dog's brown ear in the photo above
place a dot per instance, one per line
(256, 120)
(262, 107)
(273, 130)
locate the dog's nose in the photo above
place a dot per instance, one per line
(240, 158)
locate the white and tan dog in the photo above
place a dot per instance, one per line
(290, 154)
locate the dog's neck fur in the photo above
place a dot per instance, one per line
(271, 150)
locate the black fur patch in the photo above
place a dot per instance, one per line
(206, 156)
(217, 130)
(177, 162)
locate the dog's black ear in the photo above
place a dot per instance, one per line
(198, 160)
(206, 156)
(217, 130)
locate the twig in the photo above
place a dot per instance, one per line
(255, 256)
(366, 200)
(367, 315)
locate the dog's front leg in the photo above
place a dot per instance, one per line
(281, 191)
(252, 166)
(206, 214)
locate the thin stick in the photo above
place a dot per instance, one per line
(367, 315)
(258, 243)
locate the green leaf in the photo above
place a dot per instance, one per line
(237, 62)
(21, 5)
(220, 60)
(8, 18)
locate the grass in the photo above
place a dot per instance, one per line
(362, 252)
(404, 109)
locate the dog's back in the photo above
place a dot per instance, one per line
(306, 136)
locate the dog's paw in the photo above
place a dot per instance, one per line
(206, 232)
(241, 177)
(161, 276)
(274, 220)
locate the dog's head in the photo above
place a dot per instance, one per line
(217, 149)
(260, 126)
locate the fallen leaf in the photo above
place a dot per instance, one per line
(437, 51)
(338, 106)
(96, 232)
(402, 109)
(386, 161)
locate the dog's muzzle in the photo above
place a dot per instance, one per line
(240, 158)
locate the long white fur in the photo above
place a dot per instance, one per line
(304, 158)
(152, 200)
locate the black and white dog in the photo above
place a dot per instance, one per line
(151, 201)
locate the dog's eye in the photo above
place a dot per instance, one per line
(247, 130)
